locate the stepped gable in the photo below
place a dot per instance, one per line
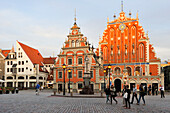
(33, 54)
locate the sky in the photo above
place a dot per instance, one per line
(44, 24)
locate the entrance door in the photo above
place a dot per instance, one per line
(21, 85)
(118, 85)
(131, 86)
(59, 87)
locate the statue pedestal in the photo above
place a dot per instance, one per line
(87, 88)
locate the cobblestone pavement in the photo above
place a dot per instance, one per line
(28, 102)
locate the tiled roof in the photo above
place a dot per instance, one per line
(33, 54)
(5, 52)
(49, 60)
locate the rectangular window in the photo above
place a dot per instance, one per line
(19, 69)
(79, 74)
(91, 74)
(30, 69)
(26, 61)
(69, 74)
(26, 68)
(80, 61)
(11, 69)
(80, 85)
(7, 69)
(59, 74)
(22, 69)
(11, 62)
(70, 61)
(22, 62)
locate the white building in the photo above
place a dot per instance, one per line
(24, 67)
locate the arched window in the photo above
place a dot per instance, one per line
(41, 78)
(77, 43)
(32, 77)
(105, 53)
(129, 71)
(9, 77)
(20, 77)
(141, 51)
(8, 63)
(72, 43)
(138, 71)
(117, 71)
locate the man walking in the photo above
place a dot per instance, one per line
(134, 94)
(37, 89)
(107, 91)
(162, 91)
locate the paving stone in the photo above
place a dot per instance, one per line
(27, 102)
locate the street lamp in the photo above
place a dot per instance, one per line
(69, 71)
(109, 67)
(104, 78)
(64, 67)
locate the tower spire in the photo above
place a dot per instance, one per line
(122, 5)
(75, 17)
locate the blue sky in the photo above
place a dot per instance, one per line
(44, 24)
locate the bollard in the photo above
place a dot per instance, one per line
(71, 94)
(101, 94)
(54, 92)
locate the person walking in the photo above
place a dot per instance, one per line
(107, 91)
(113, 94)
(156, 90)
(123, 92)
(149, 90)
(134, 94)
(162, 91)
(153, 90)
(37, 89)
(141, 94)
(127, 100)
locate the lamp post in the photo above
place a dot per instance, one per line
(69, 71)
(109, 67)
(104, 78)
(64, 67)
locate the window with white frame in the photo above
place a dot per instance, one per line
(80, 75)
(60, 74)
(80, 60)
(69, 61)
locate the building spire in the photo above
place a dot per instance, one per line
(75, 17)
(137, 15)
(122, 5)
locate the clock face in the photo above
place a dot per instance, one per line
(74, 32)
(122, 27)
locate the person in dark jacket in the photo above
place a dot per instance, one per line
(141, 94)
(153, 90)
(107, 91)
(127, 100)
(113, 94)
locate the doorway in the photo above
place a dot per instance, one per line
(131, 86)
(59, 87)
(117, 83)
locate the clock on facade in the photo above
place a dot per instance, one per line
(122, 27)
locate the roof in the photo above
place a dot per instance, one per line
(5, 52)
(49, 60)
(33, 54)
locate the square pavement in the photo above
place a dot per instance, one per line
(27, 102)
